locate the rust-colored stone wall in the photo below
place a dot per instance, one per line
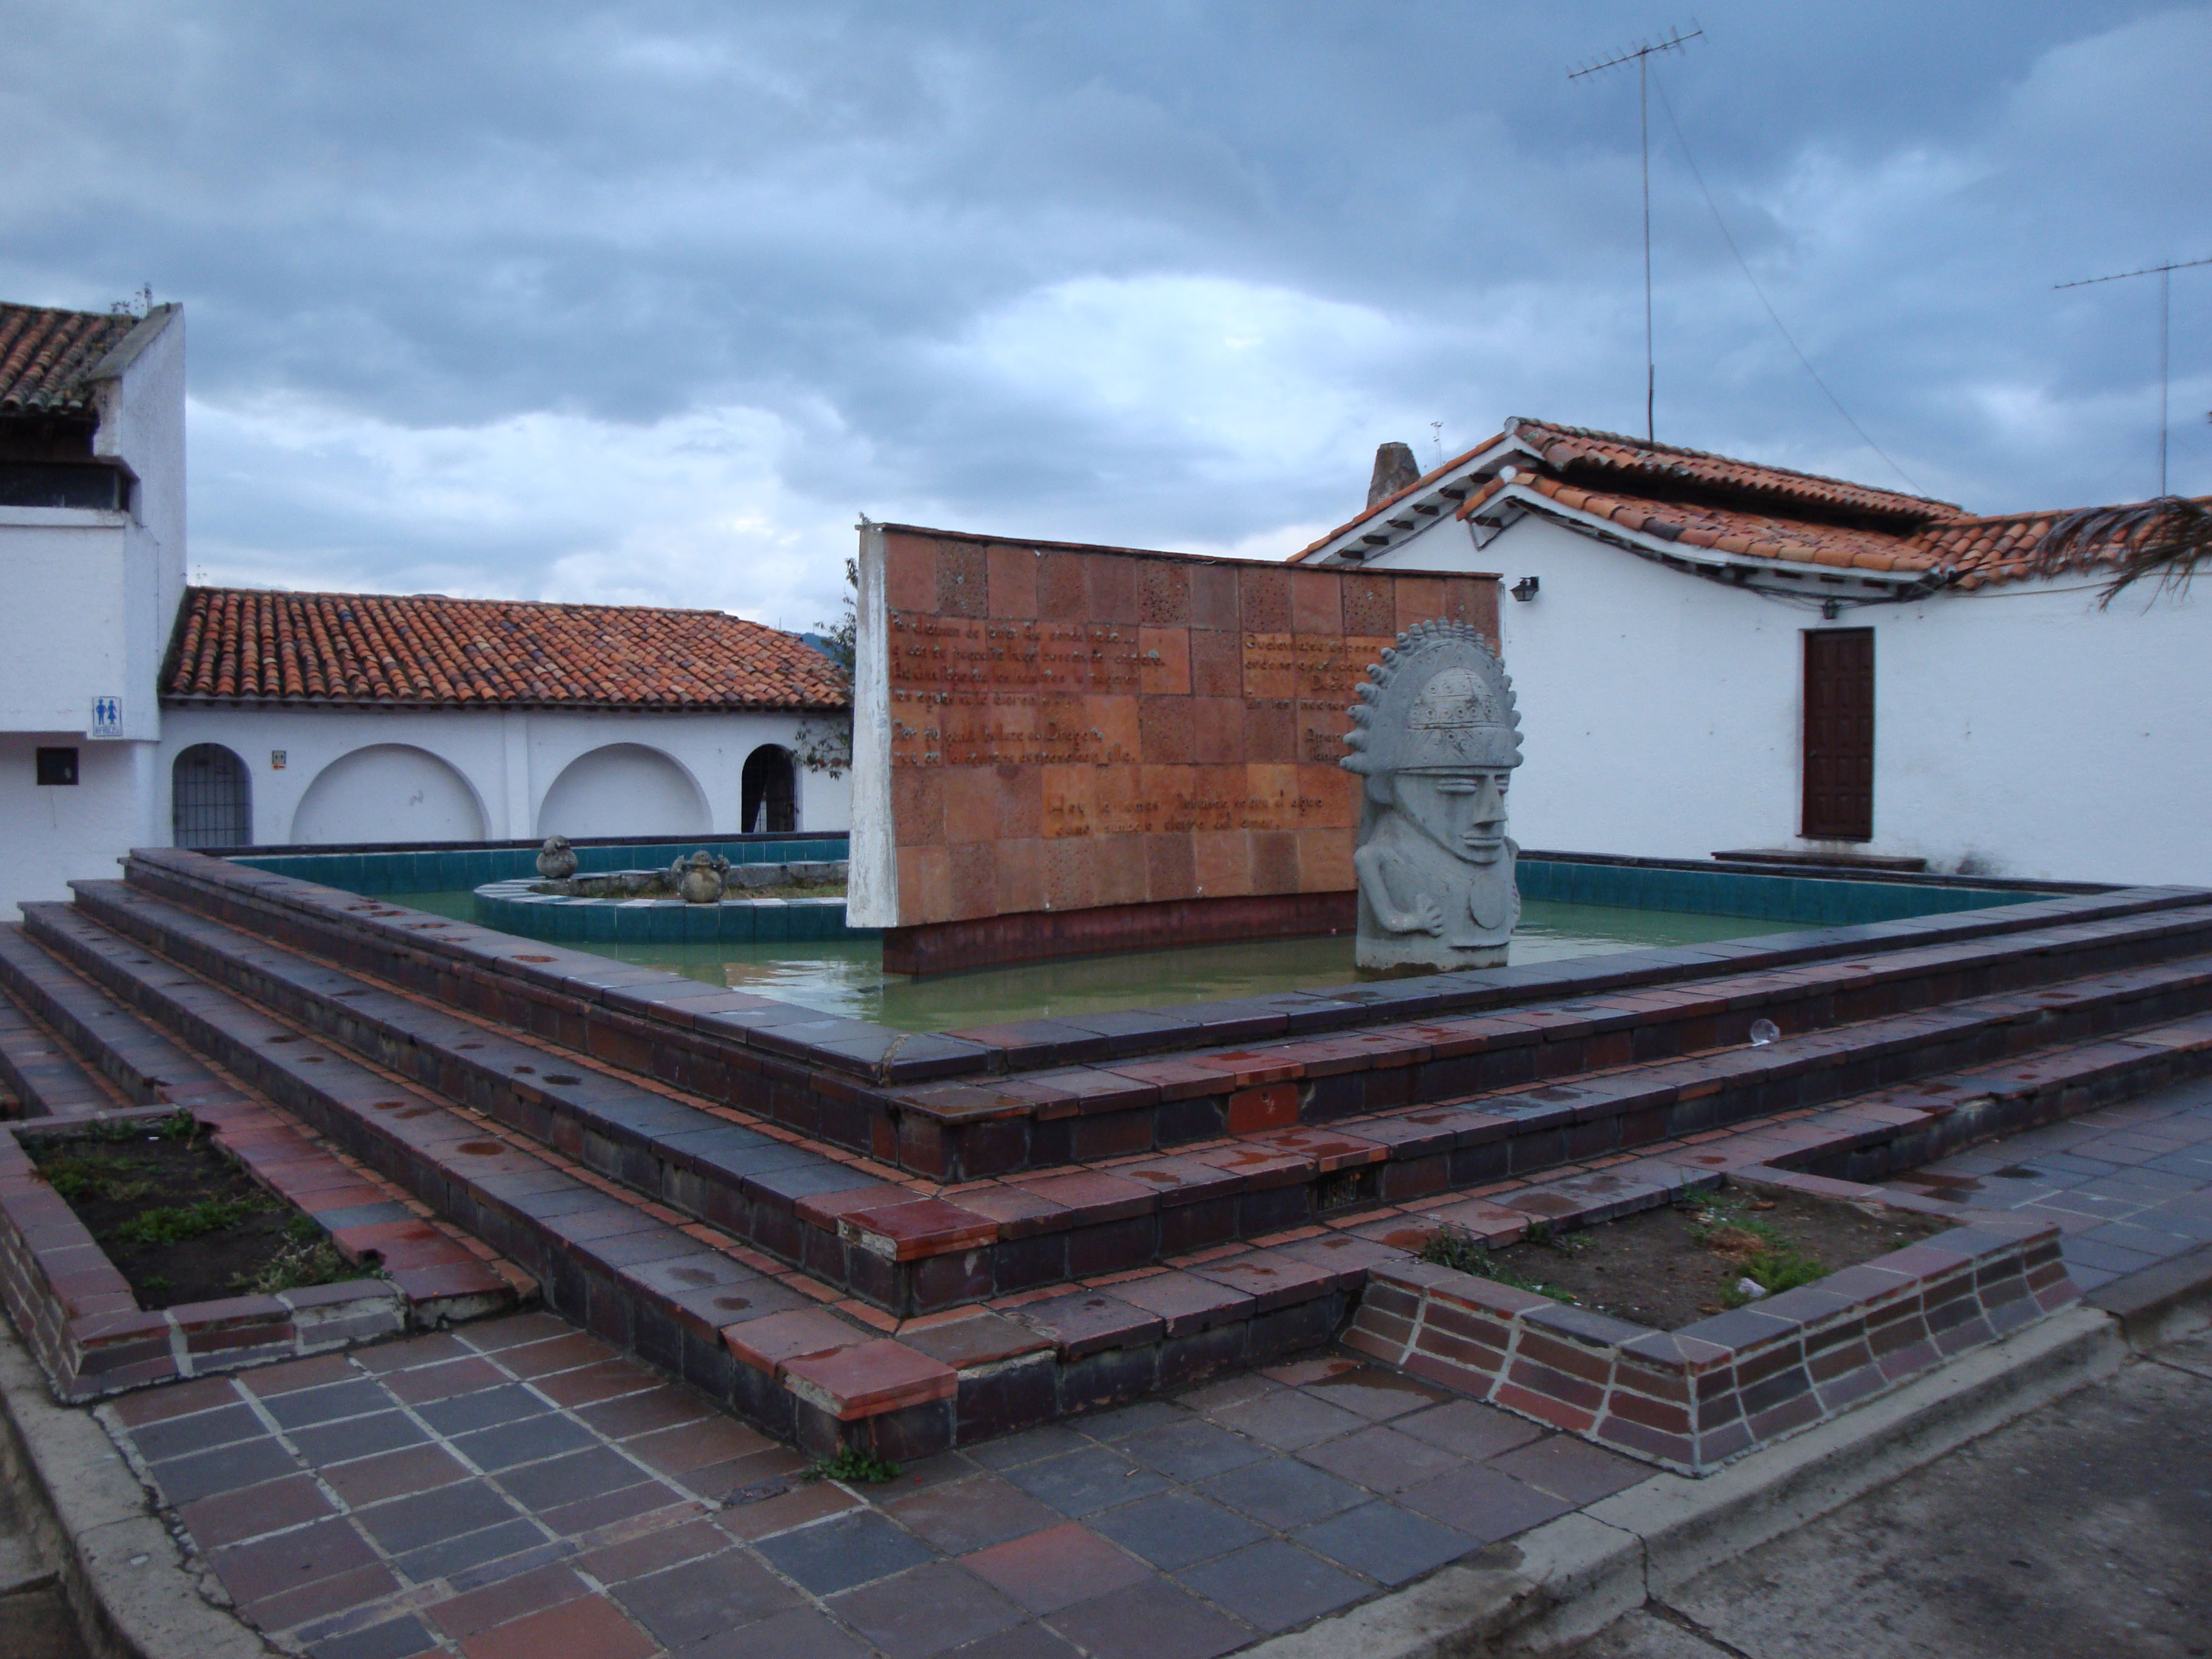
(1075, 727)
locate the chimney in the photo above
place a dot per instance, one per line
(1394, 468)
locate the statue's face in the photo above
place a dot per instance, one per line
(1463, 812)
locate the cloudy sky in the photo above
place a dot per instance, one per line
(645, 303)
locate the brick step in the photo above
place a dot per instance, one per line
(907, 1251)
(758, 1182)
(768, 1340)
(826, 1078)
(46, 1079)
(731, 1048)
(143, 1065)
(855, 1228)
(960, 1129)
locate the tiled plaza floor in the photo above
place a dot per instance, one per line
(2131, 1185)
(516, 1488)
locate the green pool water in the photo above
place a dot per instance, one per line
(847, 976)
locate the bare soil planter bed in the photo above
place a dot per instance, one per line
(1673, 1266)
(1704, 1392)
(143, 1245)
(181, 1222)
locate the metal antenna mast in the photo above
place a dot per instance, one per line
(1641, 55)
(2165, 275)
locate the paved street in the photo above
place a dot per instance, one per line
(2080, 1530)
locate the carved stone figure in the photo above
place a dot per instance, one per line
(699, 880)
(1435, 736)
(557, 859)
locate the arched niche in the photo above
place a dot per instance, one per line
(210, 799)
(769, 791)
(388, 792)
(623, 789)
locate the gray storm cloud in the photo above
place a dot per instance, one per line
(644, 302)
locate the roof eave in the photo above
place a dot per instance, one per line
(1413, 508)
(1757, 570)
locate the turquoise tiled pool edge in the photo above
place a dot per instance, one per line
(1810, 900)
(513, 908)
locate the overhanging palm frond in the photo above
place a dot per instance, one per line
(2166, 538)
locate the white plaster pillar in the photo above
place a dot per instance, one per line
(519, 811)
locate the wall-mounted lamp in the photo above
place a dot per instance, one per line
(1830, 611)
(1525, 589)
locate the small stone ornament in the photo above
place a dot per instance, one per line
(1435, 736)
(700, 878)
(557, 859)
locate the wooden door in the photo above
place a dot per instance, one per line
(1839, 735)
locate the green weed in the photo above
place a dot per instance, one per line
(92, 1175)
(172, 1224)
(1753, 1250)
(852, 1463)
(1451, 1248)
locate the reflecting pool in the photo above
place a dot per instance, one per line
(847, 976)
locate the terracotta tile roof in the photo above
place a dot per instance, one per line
(1733, 529)
(425, 651)
(1580, 455)
(46, 358)
(1697, 499)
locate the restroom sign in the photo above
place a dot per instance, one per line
(106, 717)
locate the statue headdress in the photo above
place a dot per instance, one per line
(1438, 701)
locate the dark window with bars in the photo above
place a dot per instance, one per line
(211, 798)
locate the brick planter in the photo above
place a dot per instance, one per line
(1693, 1399)
(91, 1338)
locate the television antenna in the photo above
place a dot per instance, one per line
(2165, 275)
(1641, 55)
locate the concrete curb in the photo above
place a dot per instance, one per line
(126, 1577)
(2160, 1303)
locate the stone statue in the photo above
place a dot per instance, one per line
(557, 859)
(1435, 736)
(699, 879)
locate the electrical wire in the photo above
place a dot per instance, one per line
(1744, 265)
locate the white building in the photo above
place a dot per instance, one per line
(92, 541)
(1715, 656)
(135, 712)
(338, 719)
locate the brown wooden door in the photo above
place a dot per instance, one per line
(1839, 735)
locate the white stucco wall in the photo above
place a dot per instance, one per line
(92, 598)
(2018, 731)
(510, 761)
(91, 595)
(53, 834)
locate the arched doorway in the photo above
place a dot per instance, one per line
(388, 792)
(769, 791)
(623, 789)
(210, 799)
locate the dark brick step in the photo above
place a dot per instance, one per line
(746, 1182)
(143, 1065)
(46, 1079)
(692, 1299)
(897, 1248)
(750, 1053)
(909, 1251)
(1615, 1045)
